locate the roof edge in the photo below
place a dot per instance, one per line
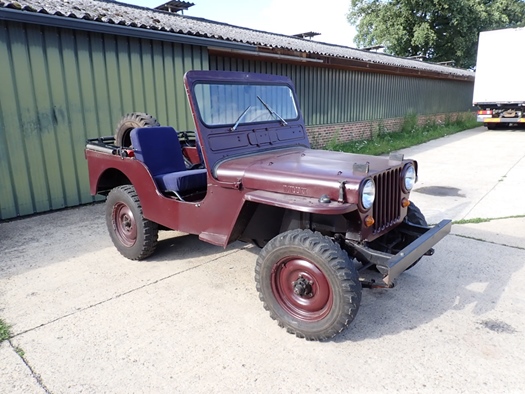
(281, 56)
(103, 27)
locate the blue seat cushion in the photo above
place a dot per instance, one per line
(159, 149)
(182, 181)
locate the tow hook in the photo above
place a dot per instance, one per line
(372, 284)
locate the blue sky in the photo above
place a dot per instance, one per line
(277, 16)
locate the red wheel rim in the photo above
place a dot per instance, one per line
(301, 289)
(124, 224)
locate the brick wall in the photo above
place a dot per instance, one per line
(321, 135)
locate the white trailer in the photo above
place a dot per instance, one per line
(499, 87)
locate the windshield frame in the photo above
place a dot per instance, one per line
(235, 115)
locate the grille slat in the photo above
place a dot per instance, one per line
(387, 207)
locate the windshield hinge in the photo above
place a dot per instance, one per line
(342, 190)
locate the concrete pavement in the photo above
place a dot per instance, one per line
(473, 174)
(189, 320)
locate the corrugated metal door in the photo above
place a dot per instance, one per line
(59, 87)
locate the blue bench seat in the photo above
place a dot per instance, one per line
(159, 149)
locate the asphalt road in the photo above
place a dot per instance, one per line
(189, 320)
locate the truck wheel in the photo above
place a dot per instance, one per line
(128, 123)
(134, 236)
(308, 284)
(415, 216)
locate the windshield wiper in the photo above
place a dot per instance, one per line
(240, 118)
(272, 112)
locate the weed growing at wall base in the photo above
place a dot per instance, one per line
(409, 134)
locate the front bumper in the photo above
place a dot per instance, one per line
(502, 120)
(408, 256)
(391, 266)
(481, 118)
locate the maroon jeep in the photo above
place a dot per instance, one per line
(327, 222)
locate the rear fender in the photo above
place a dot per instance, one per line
(107, 171)
(110, 179)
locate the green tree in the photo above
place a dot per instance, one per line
(440, 30)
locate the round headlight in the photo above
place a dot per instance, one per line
(410, 177)
(368, 194)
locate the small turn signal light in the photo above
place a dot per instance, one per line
(369, 221)
(404, 202)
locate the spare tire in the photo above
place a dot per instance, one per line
(128, 123)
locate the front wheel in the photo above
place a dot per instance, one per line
(308, 284)
(134, 236)
(415, 216)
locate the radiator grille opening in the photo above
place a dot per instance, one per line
(387, 207)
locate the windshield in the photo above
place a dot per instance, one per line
(234, 104)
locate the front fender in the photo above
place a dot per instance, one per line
(299, 203)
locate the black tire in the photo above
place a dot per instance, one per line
(415, 216)
(134, 236)
(128, 123)
(308, 284)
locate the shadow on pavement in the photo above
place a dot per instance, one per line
(463, 274)
(42, 240)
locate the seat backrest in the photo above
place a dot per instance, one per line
(158, 148)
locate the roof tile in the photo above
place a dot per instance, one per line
(106, 11)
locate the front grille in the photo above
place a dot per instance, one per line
(387, 207)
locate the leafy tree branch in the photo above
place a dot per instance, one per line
(440, 30)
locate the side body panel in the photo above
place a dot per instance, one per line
(213, 218)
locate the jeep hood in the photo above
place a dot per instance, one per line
(303, 171)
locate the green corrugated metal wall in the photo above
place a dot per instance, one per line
(59, 87)
(330, 96)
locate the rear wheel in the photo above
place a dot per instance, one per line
(308, 284)
(128, 123)
(134, 236)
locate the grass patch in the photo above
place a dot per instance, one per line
(409, 134)
(470, 221)
(5, 332)
(20, 351)
(485, 220)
